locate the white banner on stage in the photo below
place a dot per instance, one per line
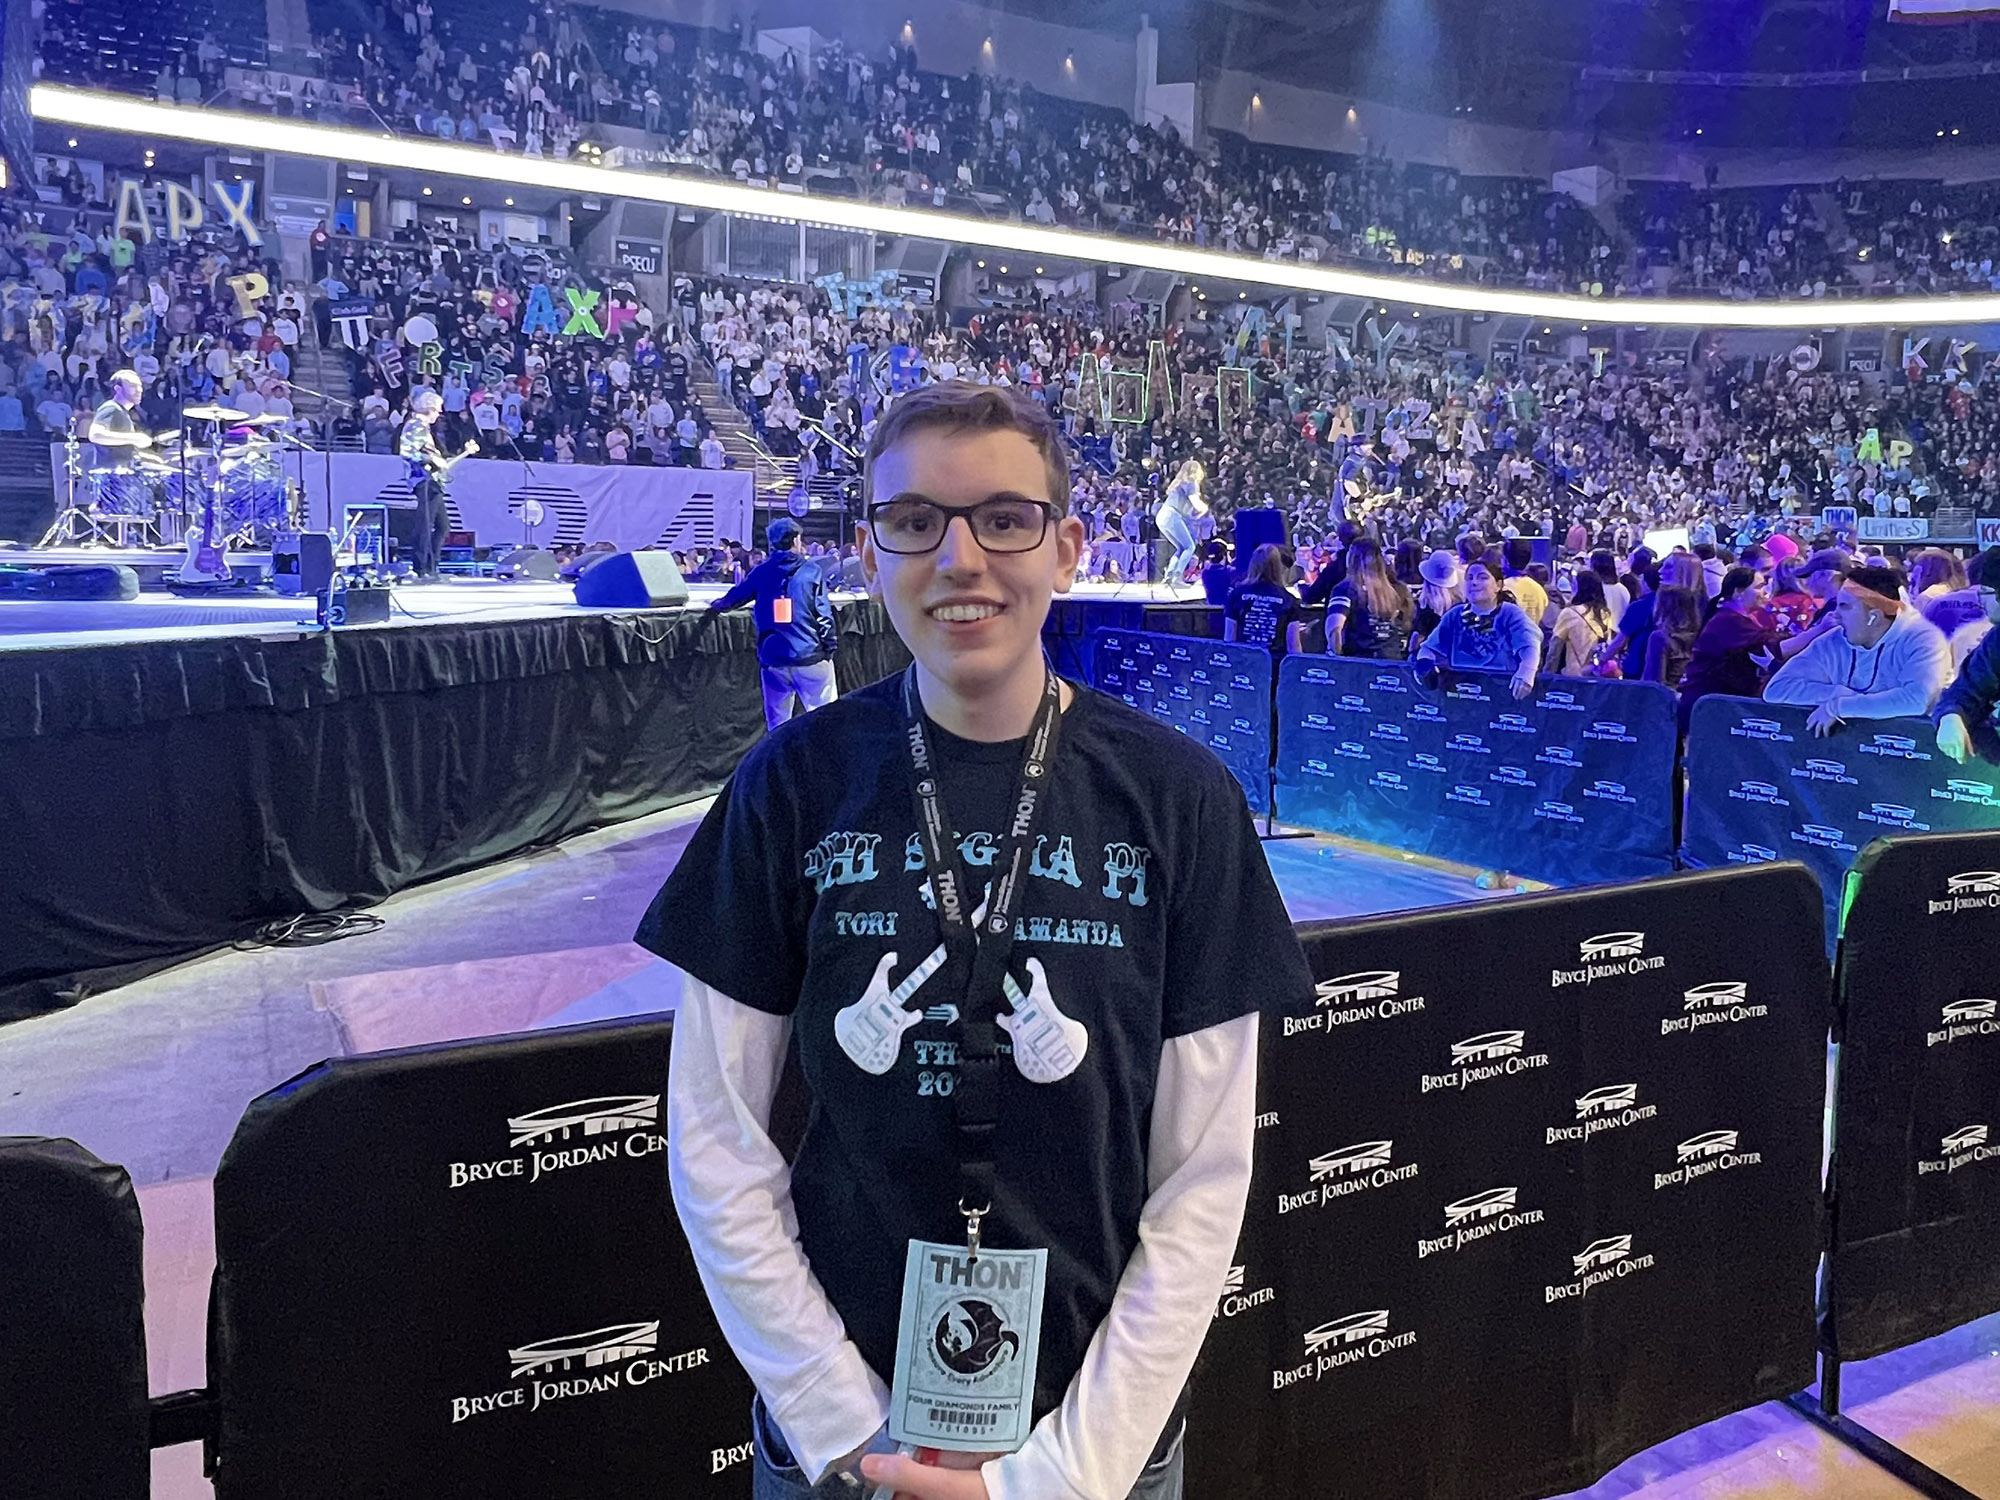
(629, 506)
(580, 503)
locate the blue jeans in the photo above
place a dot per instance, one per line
(1174, 527)
(776, 1477)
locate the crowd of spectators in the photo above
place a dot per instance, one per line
(540, 78)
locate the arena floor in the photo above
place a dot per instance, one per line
(155, 1075)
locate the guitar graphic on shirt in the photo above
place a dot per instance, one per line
(1048, 1045)
(870, 1031)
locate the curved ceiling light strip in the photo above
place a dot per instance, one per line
(94, 110)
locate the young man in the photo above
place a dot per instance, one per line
(1965, 709)
(1886, 661)
(1086, 1064)
(795, 631)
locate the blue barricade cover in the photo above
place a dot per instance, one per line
(1573, 784)
(1217, 692)
(1762, 786)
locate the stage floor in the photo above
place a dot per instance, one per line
(36, 624)
(154, 1076)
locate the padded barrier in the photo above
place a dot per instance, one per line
(1917, 1098)
(1537, 1186)
(1218, 693)
(1762, 786)
(1572, 784)
(456, 1272)
(73, 1417)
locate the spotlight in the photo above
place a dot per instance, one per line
(468, 203)
(427, 192)
(510, 202)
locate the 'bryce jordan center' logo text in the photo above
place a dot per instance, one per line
(1609, 955)
(618, 1122)
(622, 1356)
(1370, 995)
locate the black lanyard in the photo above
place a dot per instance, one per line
(976, 1096)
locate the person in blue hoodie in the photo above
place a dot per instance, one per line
(795, 632)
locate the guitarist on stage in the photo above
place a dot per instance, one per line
(430, 472)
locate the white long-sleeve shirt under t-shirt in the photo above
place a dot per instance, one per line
(732, 1190)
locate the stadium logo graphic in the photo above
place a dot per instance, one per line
(1557, 755)
(1601, 1261)
(1818, 769)
(622, 1356)
(1358, 1168)
(1354, 1339)
(1388, 682)
(1469, 744)
(1823, 836)
(1510, 776)
(1235, 1299)
(1424, 761)
(1367, 995)
(1721, 1002)
(1610, 730)
(1895, 747)
(1758, 791)
(630, 1120)
(1561, 702)
(1751, 854)
(1470, 796)
(1424, 713)
(1893, 815)
(1320, 768)
(1769, 730)
(1978, 793)
(1962, 1019)
(1388, 781)
(1962, 1148)
(1389, 729)
(1609, 955)
(1479, 1217)
(1703, 1155)
(1512, 724)
(1611, 1107)
(1469, 692)
(1610, 791)
(1350, 750)
(1969, 890)
(1353, 703)
(1483, 1058)
(1557, 812)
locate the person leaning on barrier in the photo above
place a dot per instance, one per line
(1886, 661)
(1965, 708)
(796, 637)
(1485, 634)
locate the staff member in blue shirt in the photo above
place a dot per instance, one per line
(795, 632)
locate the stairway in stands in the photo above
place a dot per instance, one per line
(775, 476)
(317, 369)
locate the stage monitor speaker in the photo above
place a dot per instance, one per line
(632, 580)
(93, 581)
(301, 562)
(526, 562)
(1255, 527)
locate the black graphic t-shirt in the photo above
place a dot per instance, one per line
(1148, 914)
(1263, 613)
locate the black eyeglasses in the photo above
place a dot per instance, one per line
(911, 525)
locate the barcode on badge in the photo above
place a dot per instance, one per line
(944, 1418)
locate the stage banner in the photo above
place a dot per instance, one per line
(629, 506)
(1570, 785)
(1537, 1185)
(73, 1418)
(1761, 786)
(456, 1271)
(1916, 1163)
(1215, 692)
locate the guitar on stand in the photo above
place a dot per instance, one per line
(207, 561)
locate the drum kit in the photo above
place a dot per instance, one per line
(216, 482)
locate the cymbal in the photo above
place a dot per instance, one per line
(122, 439)
(214, 414)
(263, 419)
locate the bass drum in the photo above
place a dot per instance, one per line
(251, 502)
(124, 493)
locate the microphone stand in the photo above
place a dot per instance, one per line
(326, 445)
(527, 478)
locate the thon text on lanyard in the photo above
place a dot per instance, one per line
(976, 1099)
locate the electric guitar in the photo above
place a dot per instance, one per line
(870, 1031)
(207, 558)
(439, 467)
(1048, 1045)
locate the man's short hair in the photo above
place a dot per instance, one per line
(960, 406)
(127, 378)
(1883, 579)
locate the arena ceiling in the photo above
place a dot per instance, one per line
(1781, 73)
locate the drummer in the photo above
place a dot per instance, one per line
(111, 431)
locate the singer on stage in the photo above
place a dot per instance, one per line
(428, 476)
